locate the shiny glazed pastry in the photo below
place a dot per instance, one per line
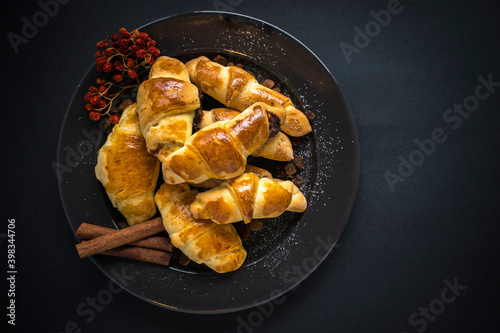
(166, 104)
(127, 171)
(203, 241)
(277, 148)
(238, 89)
(220, 150)
(248, 197)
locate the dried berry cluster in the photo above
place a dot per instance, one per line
(120, 58)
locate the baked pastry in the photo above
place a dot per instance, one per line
(166, 105)
(248, 197)
(238, 89)
(220, 150)
(277, 148)
(127, 171)
(203, 241)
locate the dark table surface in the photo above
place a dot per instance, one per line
(420, 251)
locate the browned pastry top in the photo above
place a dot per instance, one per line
(219, 150)
(266, 95)
(208, 75)
(122, 167)
(251, 130)
(217, 242)
(238, 79)
(166, 97)
(277, 199)
(168, 67)
(245, 190)
(223, 114)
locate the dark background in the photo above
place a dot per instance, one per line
(399, 246)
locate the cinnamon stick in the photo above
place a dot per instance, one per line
(88, 231)
(141, 254)
(120, 237)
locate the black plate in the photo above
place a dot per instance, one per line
(290, 247)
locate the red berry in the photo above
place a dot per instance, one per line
(154, 51)
(102, 103)
(94, 115)
(100, 61)
(109, 52)
(124, 33)
(107, 68)
(134, 48)
(114, 37)
(132, 74)
(117, 78)
(140, 43)
(123, 43)
(87, 96)
(95, 100)
(141, 54)
(102, 45)
(118, 65)
(122, 50)
(114, 119)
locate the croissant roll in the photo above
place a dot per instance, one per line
(238, 89)
(220, 150)
(248, 197)
(166, 105)
(203, 241)
(127, 171)
(277, 148)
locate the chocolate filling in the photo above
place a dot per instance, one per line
(198, 114)
(274, 124)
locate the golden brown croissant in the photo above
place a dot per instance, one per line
(166, 103)
(237, 89)
(220, 150)
(127, 171)
(248, 197)
(203, 241)
(277, 148)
